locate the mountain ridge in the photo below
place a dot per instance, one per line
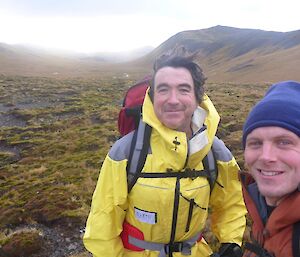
(238, 55)
(226, 54)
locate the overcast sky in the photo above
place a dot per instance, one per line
(117, 25)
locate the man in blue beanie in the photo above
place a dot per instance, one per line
(271, 140)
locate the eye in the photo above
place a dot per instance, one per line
(161, 89)
(253, 143)
(185, 89)
(284, 142)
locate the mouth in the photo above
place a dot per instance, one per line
(173, 110)
(270, 173)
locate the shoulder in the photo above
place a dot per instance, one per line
(221, 152)
(121, 148)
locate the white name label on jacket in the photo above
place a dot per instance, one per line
(145, 216)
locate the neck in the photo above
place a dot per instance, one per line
(273, 202)
(276, 201)
(189, 132)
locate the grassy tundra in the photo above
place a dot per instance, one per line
(54, 135)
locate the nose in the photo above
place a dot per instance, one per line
(173, 97)
(268, 152)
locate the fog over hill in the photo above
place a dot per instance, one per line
(116, 57)
(226, 54)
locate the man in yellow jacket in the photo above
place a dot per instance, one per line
(165, 215)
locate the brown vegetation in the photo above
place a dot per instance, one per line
(50, 163)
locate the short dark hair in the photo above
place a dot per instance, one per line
(182, 62)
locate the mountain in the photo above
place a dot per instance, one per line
(226, 54)
(238, 55)
(22, 60)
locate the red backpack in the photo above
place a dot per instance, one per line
(130, 120)
(131, 110)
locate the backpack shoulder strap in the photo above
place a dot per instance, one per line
(210, 165)
(138, 152)
(296, 240)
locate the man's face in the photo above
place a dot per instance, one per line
(174, 98)
(272, 155)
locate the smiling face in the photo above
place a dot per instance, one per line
(272, 155)
(174, 98)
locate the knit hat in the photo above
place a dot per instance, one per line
(280, 107)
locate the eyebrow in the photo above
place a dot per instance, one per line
(162, 85)
(276, 137)
(183, 85)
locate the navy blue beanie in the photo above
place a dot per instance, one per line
(280, 107)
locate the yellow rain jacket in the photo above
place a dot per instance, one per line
(165, 208)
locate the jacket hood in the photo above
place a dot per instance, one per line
(205, 115)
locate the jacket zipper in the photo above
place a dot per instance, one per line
(187, 154)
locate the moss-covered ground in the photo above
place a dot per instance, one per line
(54, 135)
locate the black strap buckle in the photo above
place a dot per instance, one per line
(173, 247)
(183, 247)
